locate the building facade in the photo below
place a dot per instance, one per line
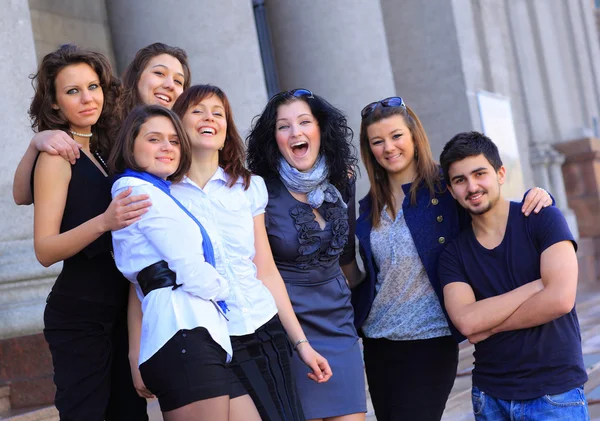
(530, 68)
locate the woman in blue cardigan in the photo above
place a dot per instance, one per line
(410, 345)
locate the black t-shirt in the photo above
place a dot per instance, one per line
(527, 363)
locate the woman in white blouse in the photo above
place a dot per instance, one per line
(166, 255)
(220, 192)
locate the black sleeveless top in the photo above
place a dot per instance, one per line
(91, 274)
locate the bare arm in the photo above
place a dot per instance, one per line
(559, 270)
(471, 317)
(54, 142)
(269, 275)
(134, 327)
(52, 177)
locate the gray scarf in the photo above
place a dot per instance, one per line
(314, 182)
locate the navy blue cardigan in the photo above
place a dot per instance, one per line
(432, 222)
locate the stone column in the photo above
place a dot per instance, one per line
(24, 283)
(337, 49)
(219, 37)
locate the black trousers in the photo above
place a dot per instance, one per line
(89, 348)
(262, 367)
(410, 380)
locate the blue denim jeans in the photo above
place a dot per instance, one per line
(567, 406)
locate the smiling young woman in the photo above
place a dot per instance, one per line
(84, 319)
(302, 146)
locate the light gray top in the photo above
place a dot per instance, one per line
(406, 306)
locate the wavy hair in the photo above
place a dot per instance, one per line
(231, 157)
(428, 172)
(131, 75)
(44, 117)
(336, 139)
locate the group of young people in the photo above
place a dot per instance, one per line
(217, 276)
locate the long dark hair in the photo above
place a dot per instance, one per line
(428, 172)
(131, 75)
(336, 139)
(231, 158)
(44, 117)
(122, 157)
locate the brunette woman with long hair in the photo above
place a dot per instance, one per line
(84, 320)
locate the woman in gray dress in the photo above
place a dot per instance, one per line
(301, 145)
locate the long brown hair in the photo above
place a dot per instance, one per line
(44, 117)
(232, 157)
(428, 173)
(122, 157)
(131, 75)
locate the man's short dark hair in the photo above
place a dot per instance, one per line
(467, 144)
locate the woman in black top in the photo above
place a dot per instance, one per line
(84, 318)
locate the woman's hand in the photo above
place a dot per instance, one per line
(124, 210)
(57, 142)
(321, 372)
(536, 199)
(138, 383)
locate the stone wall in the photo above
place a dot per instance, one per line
(56, 22)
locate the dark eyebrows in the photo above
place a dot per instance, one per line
(95, 81)
(476, 170)
(165, 67)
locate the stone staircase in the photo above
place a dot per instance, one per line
(46, 413)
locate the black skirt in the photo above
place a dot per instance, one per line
(262, 368)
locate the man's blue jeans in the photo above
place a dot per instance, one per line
(568, 406)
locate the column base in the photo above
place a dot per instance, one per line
(581, 172)
(26, 368)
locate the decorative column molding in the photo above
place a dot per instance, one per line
(546, 163)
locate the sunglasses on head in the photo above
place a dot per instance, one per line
(393, 101)
(295, 93)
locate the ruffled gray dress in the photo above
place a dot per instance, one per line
(308, 259)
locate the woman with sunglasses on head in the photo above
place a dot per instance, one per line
(301, 145)
(410, 345)
(76, 93)
(157, 75)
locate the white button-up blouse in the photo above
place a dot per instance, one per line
(227, 214)
(167, 233)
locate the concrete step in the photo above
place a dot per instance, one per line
(4, 398)
(46, 413)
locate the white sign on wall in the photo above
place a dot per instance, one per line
(497, 123)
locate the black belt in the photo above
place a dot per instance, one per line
(157, 275)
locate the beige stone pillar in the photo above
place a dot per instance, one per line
(24, 283)
(25, 365)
